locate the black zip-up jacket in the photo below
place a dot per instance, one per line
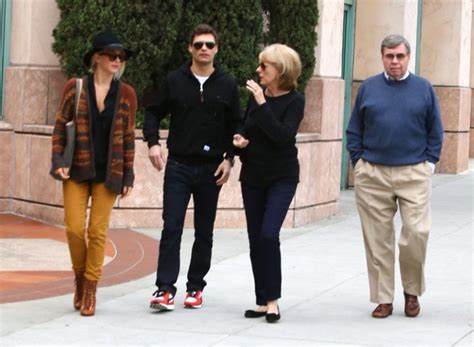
(202, 125)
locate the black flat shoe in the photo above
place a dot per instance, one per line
(272, 317)
(254, 314)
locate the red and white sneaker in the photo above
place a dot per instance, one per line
(193, 299)
(162, 300)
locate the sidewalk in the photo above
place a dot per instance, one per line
(325, 292)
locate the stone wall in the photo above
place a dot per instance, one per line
(33, 192)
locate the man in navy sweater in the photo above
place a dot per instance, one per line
(394, 138)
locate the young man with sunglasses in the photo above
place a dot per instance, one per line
(203, 104)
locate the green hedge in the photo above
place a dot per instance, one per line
(235, 22)
(293, 22)
(157, 30)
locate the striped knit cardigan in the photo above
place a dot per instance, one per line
(122, 137)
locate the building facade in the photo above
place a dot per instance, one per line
(349, 36)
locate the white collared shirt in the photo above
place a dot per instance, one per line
(401, 79)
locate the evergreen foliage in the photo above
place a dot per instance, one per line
(157, 31)
(236, 23)
(293, 23)
(147, 27)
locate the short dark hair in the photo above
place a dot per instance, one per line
(393, 41)
(202, 29)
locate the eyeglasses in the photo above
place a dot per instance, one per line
(262, 65)
(114, 55)
(199, 44)
(391, 56)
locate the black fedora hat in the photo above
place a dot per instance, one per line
(104, 40)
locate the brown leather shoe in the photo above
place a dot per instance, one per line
(79, 282)
(88, 298)
(382, 311)
(412, 307)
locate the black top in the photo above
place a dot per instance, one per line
(100, 127)
(202, 125)
(271, 130)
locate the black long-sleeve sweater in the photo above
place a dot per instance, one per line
(271, 129)
(202, 124)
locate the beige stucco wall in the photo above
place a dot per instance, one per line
(445, 60)
(446, 44)
(31, 32)
(472, 52)
(375, 19)
(471, 130)
(329, 30)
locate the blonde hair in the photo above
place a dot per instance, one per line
(287, 62)
(117, 75)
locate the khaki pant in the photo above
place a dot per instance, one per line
(378, 188)
(87, 257)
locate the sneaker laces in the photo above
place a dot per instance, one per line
(193, 293)
(159, 293)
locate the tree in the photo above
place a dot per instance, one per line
(293, 23)
(149, 28)
(157, 30)
(238, 24)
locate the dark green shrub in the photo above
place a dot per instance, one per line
(157, 30)
(237, 23)
(293, 23)
(147, 27)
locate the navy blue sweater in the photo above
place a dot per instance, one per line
(395, 122)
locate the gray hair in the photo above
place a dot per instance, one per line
(393, 41)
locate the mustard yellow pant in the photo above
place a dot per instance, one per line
(379, 191)
(87, 255)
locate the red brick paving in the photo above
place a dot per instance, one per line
(134, 256)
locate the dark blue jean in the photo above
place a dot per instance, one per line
(180, 182)
(265, 210)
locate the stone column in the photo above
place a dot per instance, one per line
(6, 166)
(320, 156)
(471, 131)
(33, 86)
(33, 81)
(374, 21)
(445, 61)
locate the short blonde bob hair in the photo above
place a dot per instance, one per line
(287, 62)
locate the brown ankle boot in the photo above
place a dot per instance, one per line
(88, 298)
(79, 282)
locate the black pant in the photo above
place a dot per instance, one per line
(265, 211)
(180, 182)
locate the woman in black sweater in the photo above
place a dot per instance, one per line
(270, 169)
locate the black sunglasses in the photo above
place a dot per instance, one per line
(114, 55)
(263, 65)
(199, 44)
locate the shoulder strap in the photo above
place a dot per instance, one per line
(78, 95)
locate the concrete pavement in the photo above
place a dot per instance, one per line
(325, 292)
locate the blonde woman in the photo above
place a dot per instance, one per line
(102, 164)
(270, 168)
